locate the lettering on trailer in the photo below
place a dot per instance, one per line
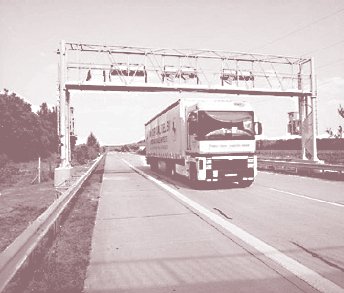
(160, 129)
(158, 140)
(161, 139)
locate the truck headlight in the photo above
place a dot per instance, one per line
(250, 162)
(208, 164)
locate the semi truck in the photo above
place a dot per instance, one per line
(204, 139)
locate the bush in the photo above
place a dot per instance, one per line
(83, 154)
(7, 173)
(92, 153)
(3, 160)
(295, 144)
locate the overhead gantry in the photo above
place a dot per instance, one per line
(88, 67)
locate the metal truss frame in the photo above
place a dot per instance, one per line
(88, 67)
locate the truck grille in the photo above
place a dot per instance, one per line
(229, 165)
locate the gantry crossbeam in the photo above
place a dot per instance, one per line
(176, 88)
(123, 68)
(88, 67)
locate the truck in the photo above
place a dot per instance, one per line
(205, 140)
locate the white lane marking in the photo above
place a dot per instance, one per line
(309, 198)
(328, 182)
(304, 273)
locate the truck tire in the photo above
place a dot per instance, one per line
(171, 169)
(193, 175)
(154, 165)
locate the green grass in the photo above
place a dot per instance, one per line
(329, 156)
(24, 173)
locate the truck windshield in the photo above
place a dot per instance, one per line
(219, 125)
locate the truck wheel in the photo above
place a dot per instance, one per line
(193, 175)
(245, 183)
(171, 169)
(154, 165)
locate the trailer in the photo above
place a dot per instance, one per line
(205, 140)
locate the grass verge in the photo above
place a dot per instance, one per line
(330, 157)
(63, 267)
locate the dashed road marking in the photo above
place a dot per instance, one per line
(309, 198)
(304, 273)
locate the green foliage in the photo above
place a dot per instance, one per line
(86, 152)
(81, 154)
(7, 172)
(328, 156)
(336, 144)
(49, 138)
(3, 160)
(295, 144)
(341, 111)
(92, 142)
(92, 153)
(290, 144)
(26, 135)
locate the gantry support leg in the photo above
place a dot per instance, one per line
(307, 106)
(64, 171)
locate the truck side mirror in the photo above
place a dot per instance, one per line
(258, 129)
(192, 127)
(192, 121)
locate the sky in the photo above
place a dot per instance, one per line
(31, 30)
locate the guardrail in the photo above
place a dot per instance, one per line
(22, 252)
(299, 167)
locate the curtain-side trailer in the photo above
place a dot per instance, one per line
(205, 140)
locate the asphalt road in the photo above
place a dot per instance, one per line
(157, 234)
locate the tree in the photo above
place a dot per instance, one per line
(25, 135)
(48, 120)
(43, 110)
(85, 152)
(340, 128)
(80, 154)
(18, 127)
(340, 132)
(341, 111)
(93, 142)
(329, 131)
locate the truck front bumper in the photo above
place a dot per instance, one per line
(226, 169)
(229, 175)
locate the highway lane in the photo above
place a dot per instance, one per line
(163, 236)
(299, 216)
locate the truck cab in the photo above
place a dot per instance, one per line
(221, 142)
